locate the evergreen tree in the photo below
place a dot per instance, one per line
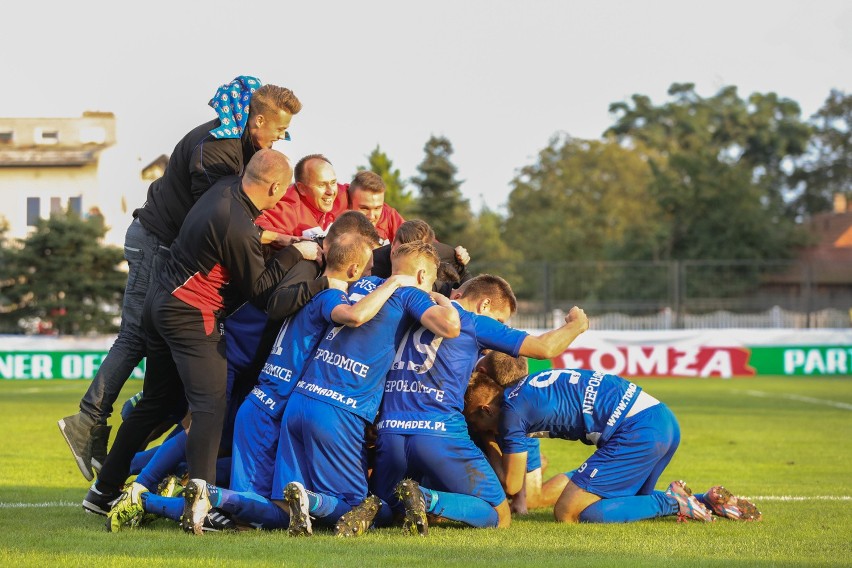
(395, 194)
(440, 202)
(65, 276)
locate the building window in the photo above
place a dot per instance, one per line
(33, 206)
(75, 204)
(7, 136)
(46, 136)
(55, 205)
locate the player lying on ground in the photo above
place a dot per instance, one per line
(635, 434)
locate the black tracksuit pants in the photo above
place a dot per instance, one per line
(184, 361)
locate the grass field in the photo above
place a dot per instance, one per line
(786, 443)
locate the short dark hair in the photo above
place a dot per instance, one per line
(414, 230)
(353, 222)
(273, 97)
(347, 249)
(503, 368)
(481, 387)
(490, 286)
(367, 181)
(301, 165)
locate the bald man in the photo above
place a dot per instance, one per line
(218, 245)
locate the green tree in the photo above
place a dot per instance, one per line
(721, 170)
(395, 194)
(827, 169)
(489, 252)
(440, 202)
(583, 200)
(64, 275)
(7, 279)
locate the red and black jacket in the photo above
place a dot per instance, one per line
(219, 245)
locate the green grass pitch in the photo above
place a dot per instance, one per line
(785, 442)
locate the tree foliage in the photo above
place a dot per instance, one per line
(489, 253)
(395, 193)
(722, 167)
(827, 169)
(440, 202)
(583, 200)
(65, 276)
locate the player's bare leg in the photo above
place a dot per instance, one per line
(572, 502)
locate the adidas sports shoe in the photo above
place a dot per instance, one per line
(415, 522)
(357, 520)
(77, 431)
(127, 511)
(196, 505)
(218, 521)
(726, 504)
(689, 507)
(297, 503)
(99, 502)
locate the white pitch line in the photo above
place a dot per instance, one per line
(800, 498)
(39, 505)
(800, 398)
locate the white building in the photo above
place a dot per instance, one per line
(52, 164)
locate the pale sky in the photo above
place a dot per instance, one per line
(498, 78)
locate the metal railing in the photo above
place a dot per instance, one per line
(682, 294)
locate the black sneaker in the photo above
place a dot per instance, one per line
(77, 431)
(217, 520)
(415, 522)
(99, 502)
(358, 519)
(297, 504)
(98, 441)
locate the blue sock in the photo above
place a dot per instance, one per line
(629, 509)
(384, 518)
(703, 498)
(249, 508)
(325, 508)
(168, 507)
(165, 461)
(463, 508)
(141, 459)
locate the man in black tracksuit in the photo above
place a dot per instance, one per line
(218, 245)
(199, 160)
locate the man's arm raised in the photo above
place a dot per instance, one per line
(552, 343)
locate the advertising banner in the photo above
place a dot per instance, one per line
(719, 353)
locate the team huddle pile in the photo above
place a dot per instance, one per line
(322, 362)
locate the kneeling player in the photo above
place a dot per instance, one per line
(636, 436)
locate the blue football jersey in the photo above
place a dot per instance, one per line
(349, 366)
(424, 390)
(293, 348)
(574, 404)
